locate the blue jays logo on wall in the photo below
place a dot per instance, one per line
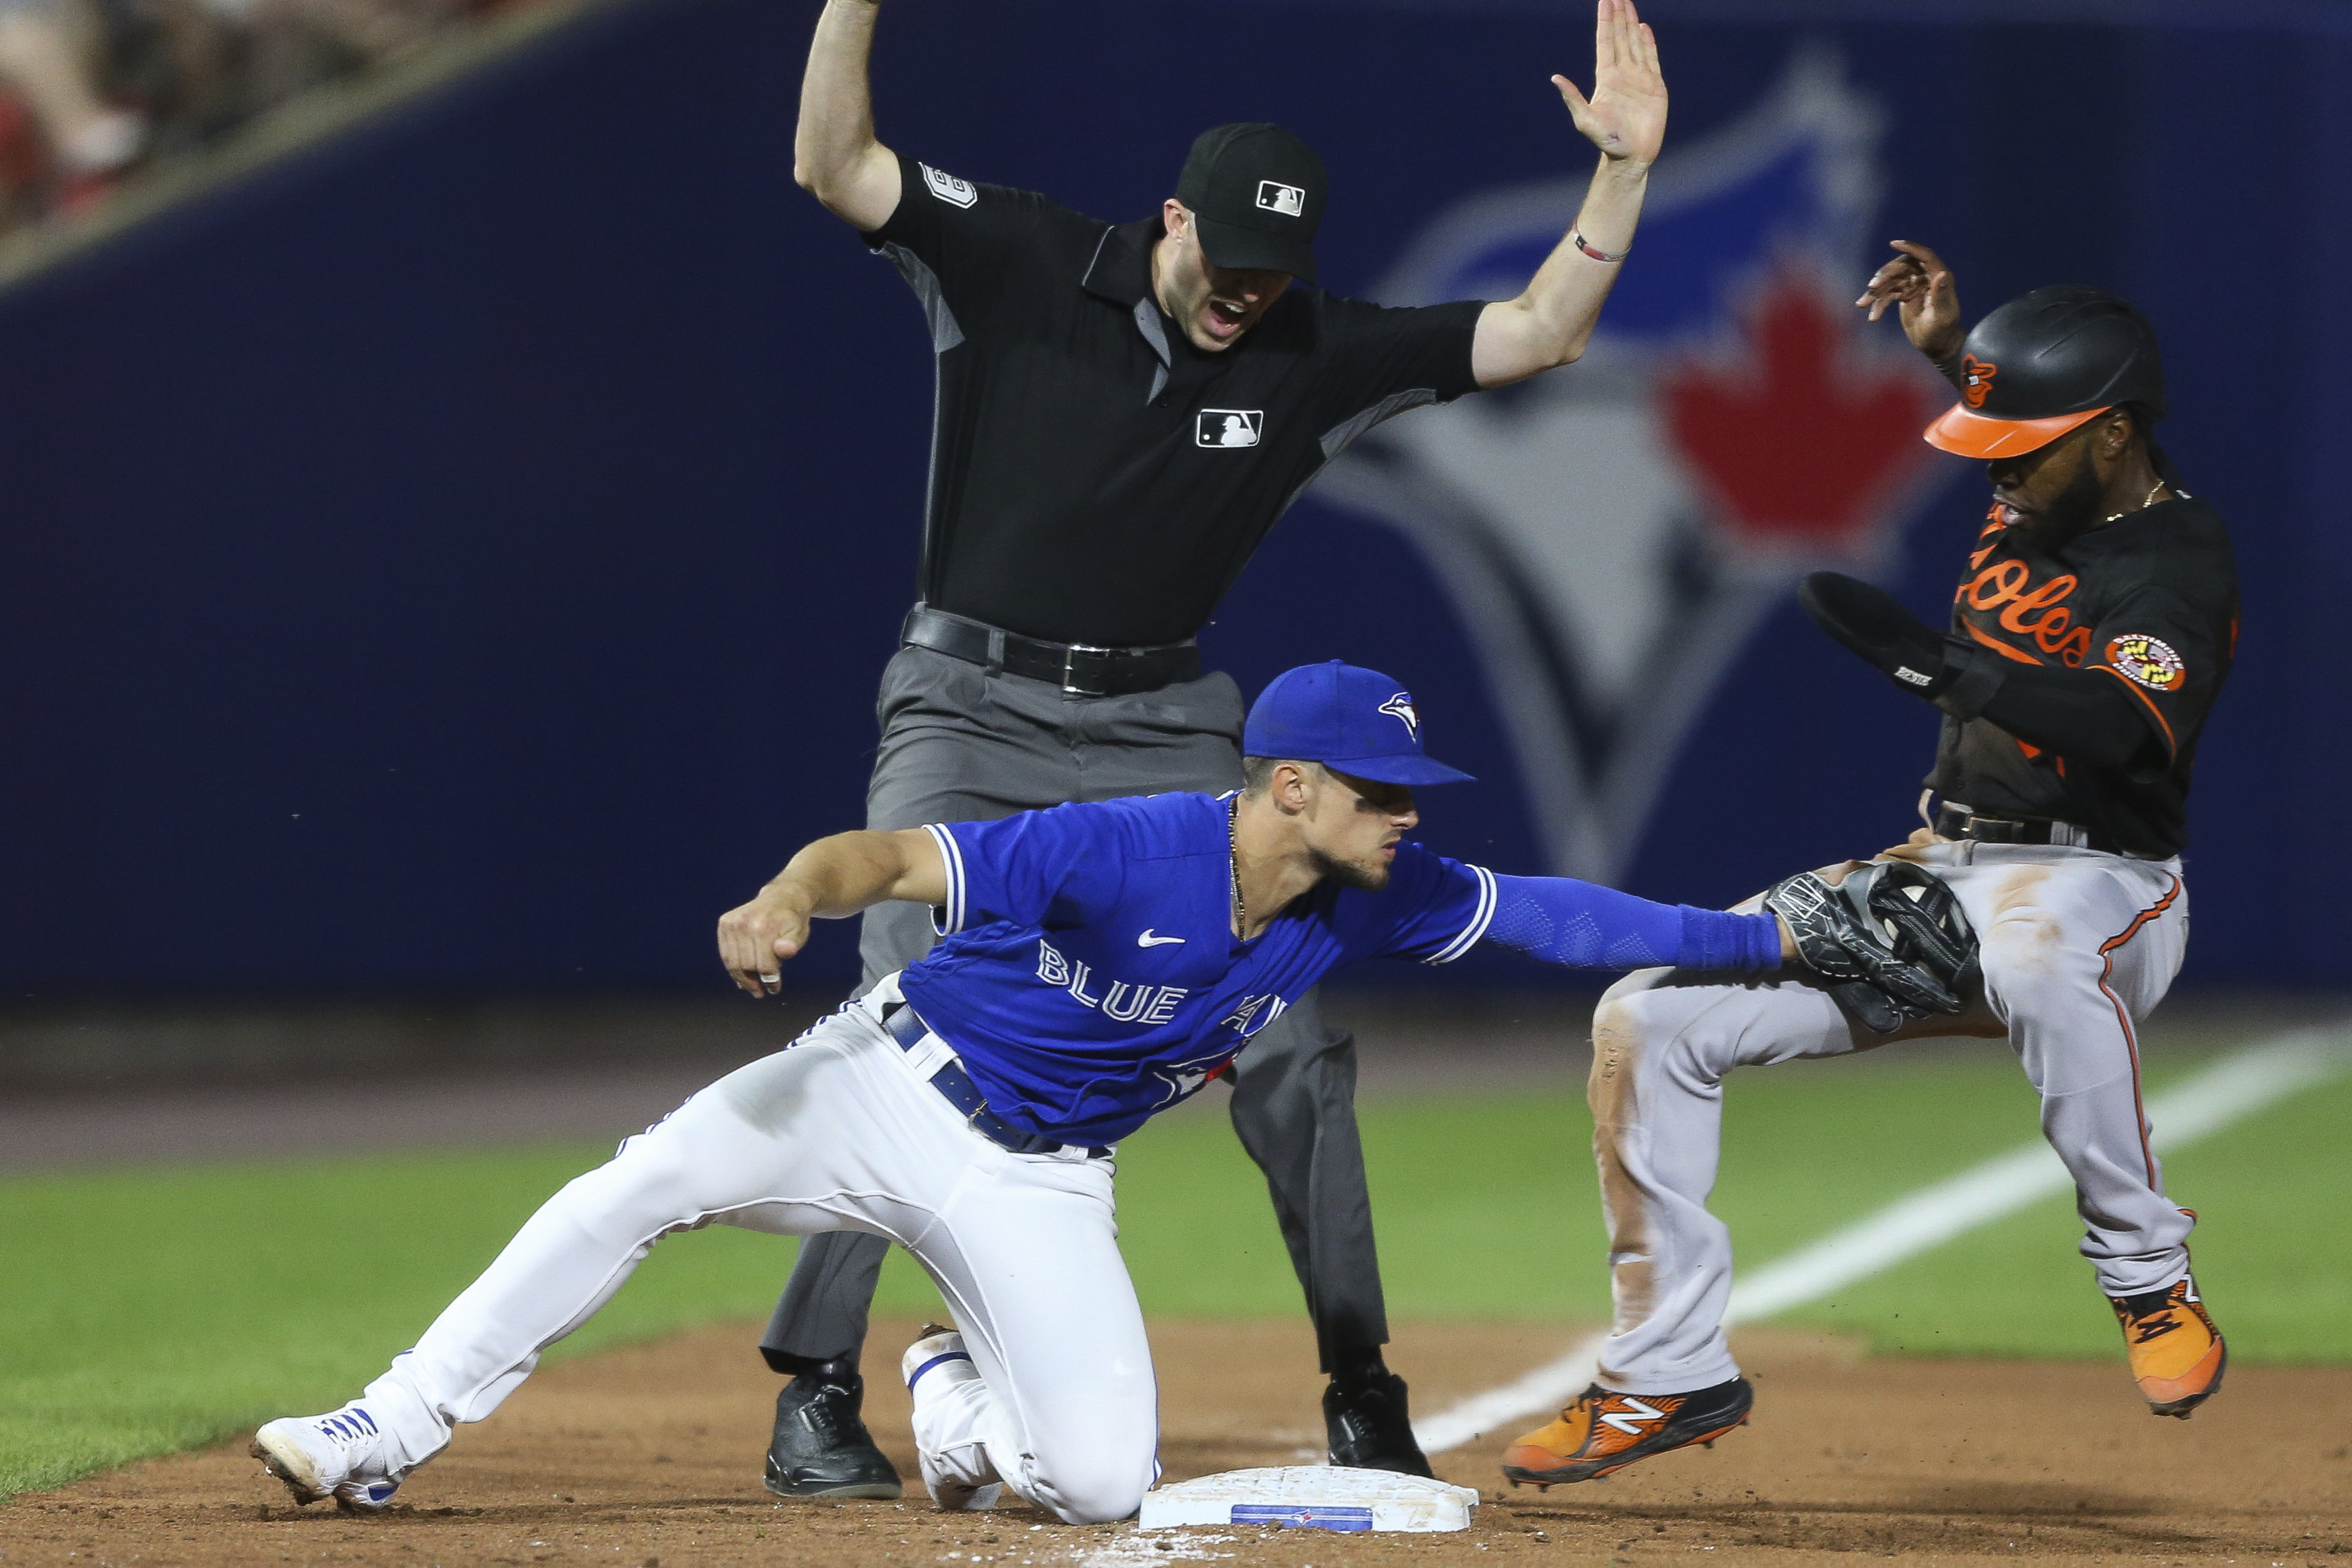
(1612, 533)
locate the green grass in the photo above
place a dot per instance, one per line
(2272, 1257)
(142, 1311)
(1485, 1203)
(150, 1311)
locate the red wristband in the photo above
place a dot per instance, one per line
(1576, 237)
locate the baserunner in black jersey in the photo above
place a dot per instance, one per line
(2094, 625)
(2090, 632)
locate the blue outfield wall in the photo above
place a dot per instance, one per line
(462, 555)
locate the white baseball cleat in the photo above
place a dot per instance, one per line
(935, 1362)
(338, 1455)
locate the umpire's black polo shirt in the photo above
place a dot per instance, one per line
(1095, 478)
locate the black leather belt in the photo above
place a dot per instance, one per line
(956, 1086)
(1960, 822)
(1073, 666)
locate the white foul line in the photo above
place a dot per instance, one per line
(2235, 1087)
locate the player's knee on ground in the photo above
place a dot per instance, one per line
(1093, 1481)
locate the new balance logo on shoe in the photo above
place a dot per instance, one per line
(2153, 1328)
(1631, 1419)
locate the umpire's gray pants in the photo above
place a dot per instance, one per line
(962, 744)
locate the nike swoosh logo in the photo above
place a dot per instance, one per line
(1152, 939)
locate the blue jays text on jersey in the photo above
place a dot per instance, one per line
(1089, 975)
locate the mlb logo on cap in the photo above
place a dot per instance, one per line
(1354, 721)
(1255, 193)
(1276, 197)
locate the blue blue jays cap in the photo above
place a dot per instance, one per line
(1356, 721)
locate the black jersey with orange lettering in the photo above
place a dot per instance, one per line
(2149, 601)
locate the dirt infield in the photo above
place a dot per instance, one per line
(650, 1456)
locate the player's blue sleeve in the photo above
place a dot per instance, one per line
(1585, 927)
(1034, 868)
(1433, 909)
(1436, 909)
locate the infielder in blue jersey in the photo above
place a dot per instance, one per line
(1100, 962)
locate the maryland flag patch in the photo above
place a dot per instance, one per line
(2149, 661)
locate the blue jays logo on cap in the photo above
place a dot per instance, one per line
(1401, 704)
(1340, 716)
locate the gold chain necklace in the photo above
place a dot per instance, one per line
(1233, 867)
(2144, 504)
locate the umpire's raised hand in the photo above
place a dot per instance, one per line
(1626, 115)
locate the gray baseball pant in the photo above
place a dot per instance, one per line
(962, 744)
(2078, 947)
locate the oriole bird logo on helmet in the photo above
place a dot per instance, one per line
(1977, 380)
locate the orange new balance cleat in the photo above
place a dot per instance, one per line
(1605, 1430)
(2177, 1353)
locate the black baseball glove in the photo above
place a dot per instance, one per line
(1868, 619)
(1954, 673)
(1890, 941)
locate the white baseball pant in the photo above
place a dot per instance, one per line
(2078, 947)
(841, 1132)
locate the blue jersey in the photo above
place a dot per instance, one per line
(1088, 975)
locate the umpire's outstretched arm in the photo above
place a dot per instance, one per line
(836, 156)
(1552, 320)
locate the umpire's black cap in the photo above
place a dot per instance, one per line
(2045, 363)
(1258, 193)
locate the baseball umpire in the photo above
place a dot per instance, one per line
(1123, 411)
(2092, 630)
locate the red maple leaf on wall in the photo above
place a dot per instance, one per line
(1802, 446)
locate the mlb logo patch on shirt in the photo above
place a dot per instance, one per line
(955, 193)
(1276, 197)
(1228, 426)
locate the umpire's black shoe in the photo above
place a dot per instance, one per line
(821, 1447)
(1368, 1425)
